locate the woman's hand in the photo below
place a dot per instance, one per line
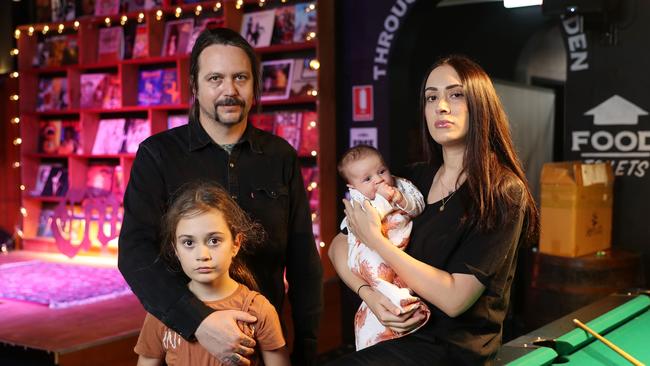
(388, 314)
(364, 222)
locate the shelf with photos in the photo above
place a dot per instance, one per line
(49, 199)
(288, 47)
(108, 78)
(81, 156)
(284, 37)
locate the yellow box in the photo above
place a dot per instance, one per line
(576, 208)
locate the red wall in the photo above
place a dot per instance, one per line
(9, 176)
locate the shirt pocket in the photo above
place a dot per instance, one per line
(270, 205)
(273, 193)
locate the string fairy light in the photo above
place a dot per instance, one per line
(17, 33)
(159, 14)
(16, 164)
(178, 12)
(30, 31)
(107, 20)
(18, 141)
(198, 10)
(46, 28)
(14, 97)
(310, 36)
(15, 120)
(140, 17)
(21, 187)
(14, 75)
(217, 6)
(60, 28)
(261, 3)
(239, 4)
(13, 52)
(123, 19)
(23, 211)
(314, 64)
(75, 25)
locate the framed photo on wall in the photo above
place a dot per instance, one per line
(276, 79)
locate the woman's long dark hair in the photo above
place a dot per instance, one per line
(490, 162)
(199, 197)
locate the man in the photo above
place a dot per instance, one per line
(262, 174)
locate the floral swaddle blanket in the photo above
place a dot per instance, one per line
(369, 265)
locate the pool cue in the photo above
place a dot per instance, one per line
(609, 344)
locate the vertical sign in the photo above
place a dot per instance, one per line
(362, 103)
(608, 117)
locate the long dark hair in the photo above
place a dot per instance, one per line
(199, 197)
(495, 178)
(227, 37)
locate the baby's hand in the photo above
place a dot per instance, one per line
(386, 191)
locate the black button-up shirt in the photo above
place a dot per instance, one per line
(263, 175)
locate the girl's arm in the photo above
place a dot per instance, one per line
(451, 293)
(387, 313)
(148, 361)
(276, 357)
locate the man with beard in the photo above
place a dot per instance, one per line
(261, 172)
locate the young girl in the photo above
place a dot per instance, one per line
(204, 229)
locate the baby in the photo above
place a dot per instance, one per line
(397, 201)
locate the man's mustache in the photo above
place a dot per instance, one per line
(229, 102)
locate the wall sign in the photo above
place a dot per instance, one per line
(363, 136)
(362, 103)
(606, 114)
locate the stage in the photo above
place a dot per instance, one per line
(101, 333)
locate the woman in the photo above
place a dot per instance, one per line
(463, 250)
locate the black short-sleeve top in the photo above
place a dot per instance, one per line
(442, 241)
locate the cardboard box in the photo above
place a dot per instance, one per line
(576, 208)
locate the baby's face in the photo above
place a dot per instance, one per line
(366, 174)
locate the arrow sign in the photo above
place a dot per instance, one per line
(616, 111)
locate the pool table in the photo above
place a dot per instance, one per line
(622, 319)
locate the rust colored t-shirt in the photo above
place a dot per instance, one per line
(158, 341)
